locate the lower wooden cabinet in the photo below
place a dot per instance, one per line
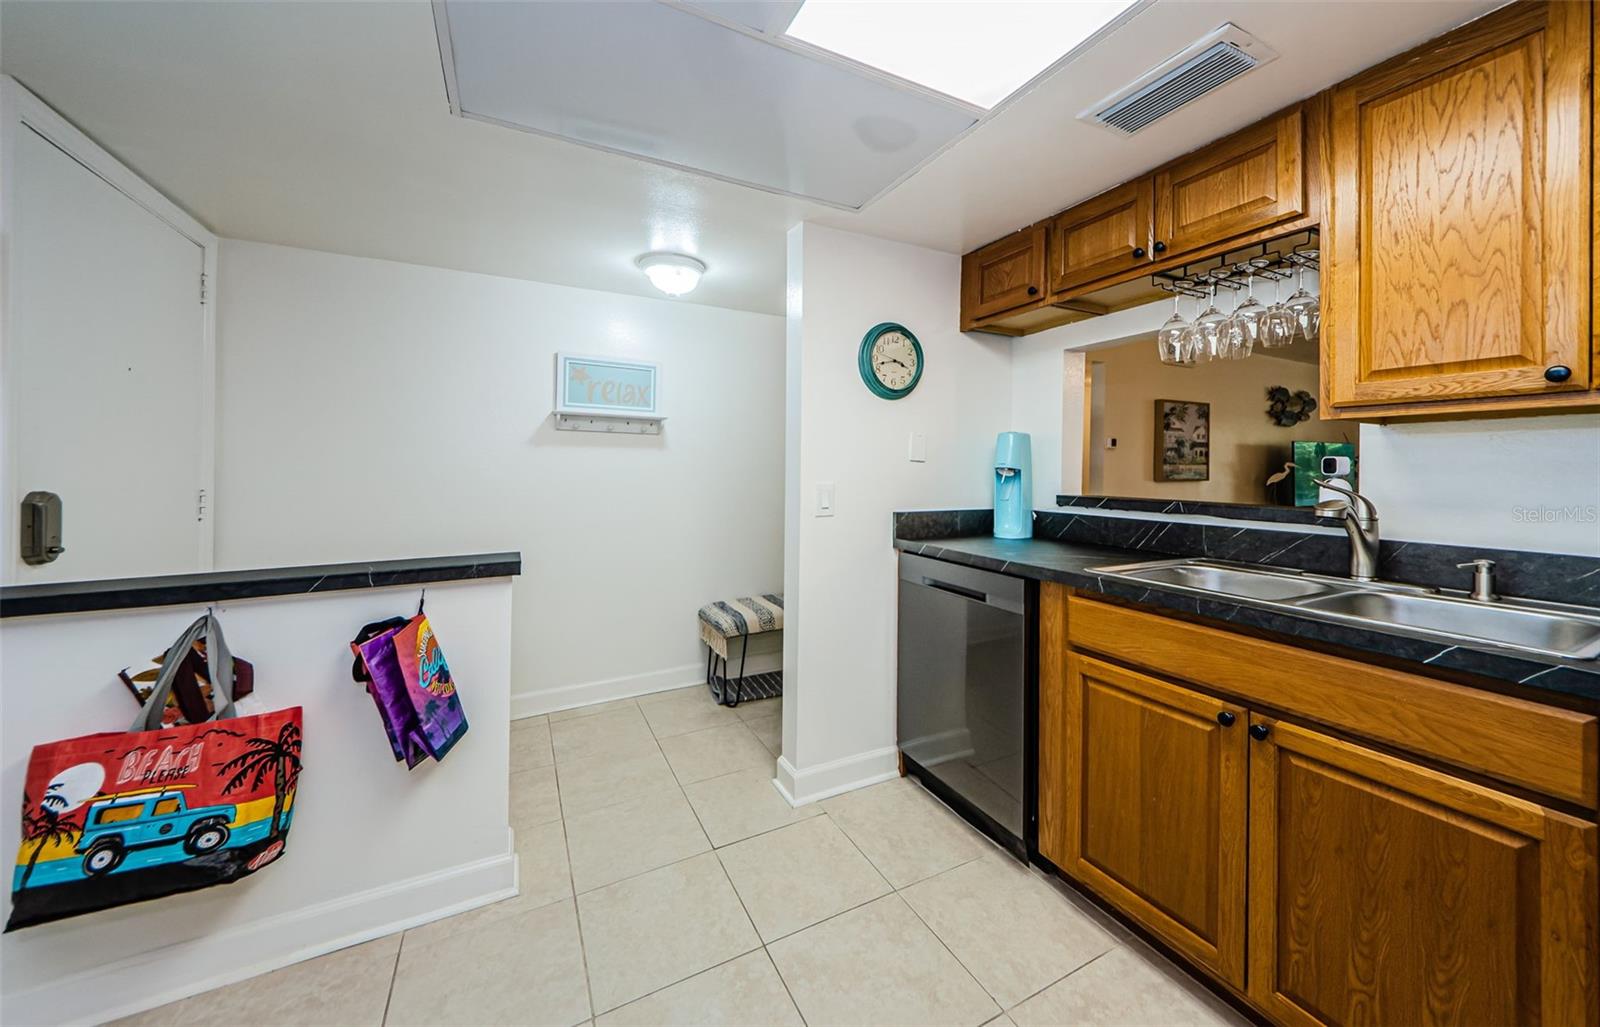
(1324, 882)
(1157, 817)
(1383, 892)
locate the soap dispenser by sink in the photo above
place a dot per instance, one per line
(1013, 485)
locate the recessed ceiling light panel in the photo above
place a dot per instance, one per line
(978, 51)
(668, 85)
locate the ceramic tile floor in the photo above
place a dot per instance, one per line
(665, 881)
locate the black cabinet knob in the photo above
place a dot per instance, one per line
(1033, 290)
(1557, 373)
(1226, 718)
(1160, 247)
(1138, 252)
(1259, 731)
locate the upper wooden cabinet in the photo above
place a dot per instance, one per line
(1101, 238)
(1457, 255)
(1382, 892)
(1251, 180)
(1003, 275)
(1243, 189)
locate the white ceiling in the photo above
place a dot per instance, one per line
(684, 90)
(325, 125)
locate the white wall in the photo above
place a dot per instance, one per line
(373, 848)
(370, 409)
(839, 652)
(1509, 483)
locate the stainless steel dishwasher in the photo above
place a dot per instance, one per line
(968, 693)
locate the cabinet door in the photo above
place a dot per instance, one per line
(1102, 237)
(1005, 274)
(1459, 243)
(1251, 180)
(1382, 892)
(1155, 803)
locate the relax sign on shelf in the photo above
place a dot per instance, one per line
(599, 385)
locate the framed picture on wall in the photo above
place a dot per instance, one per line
(1183, 440)
(606, 386)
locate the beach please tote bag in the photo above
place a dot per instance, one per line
(124, 816)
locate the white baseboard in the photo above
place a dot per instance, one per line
(152, 979)
(567, 697)
(801, 787)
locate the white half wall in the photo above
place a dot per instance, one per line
(373, 848)
(370, 409)
(1507, 483)
(839, 626)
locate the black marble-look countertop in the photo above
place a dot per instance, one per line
(1070, 563)
(221, 586)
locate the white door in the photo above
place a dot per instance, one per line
(105, 372)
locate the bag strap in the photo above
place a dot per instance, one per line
(219, 662)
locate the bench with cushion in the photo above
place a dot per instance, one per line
(739, 618)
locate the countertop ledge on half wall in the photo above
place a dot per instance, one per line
(1069, 563)
(222, 586)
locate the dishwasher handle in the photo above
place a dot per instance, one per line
(957, 590)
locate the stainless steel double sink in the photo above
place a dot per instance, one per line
(1515, 625)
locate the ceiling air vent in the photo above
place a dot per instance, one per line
(1220, 57)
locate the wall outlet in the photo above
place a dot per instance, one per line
(1111, 443)
(917, 448)
(824, 499)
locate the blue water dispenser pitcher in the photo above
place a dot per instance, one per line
(1013, 485)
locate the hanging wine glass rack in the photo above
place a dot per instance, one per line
(1270, 261)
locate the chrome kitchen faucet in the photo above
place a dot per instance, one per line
(1360, 523)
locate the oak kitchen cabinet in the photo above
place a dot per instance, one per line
(1102, 237)
(1229, 794)
(1252, 180)
(1240, 190)
(1159, 822)
(1003, 275)
(1384, 892)
(1457, 254)
(1453, 188)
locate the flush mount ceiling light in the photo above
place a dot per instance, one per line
(673, 273)
(968, 49)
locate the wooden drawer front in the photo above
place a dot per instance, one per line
(1545, 749)
(1248, 181)
(1105, 236)
(1156, 805)
(1004, 274)
(1386, 893)
(1458, 253)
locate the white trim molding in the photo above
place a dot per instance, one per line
(150, 979)
(587, 693)
(803, 787)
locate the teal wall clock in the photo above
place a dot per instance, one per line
(890, 360)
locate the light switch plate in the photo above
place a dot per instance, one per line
(824, 499)
(917, 448)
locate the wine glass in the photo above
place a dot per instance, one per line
(1304, 308)
(1247, 317)
(1209, 330)
(1171, 345)
(1278, 323)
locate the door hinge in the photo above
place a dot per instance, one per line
(200, 506)
(202, 288)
